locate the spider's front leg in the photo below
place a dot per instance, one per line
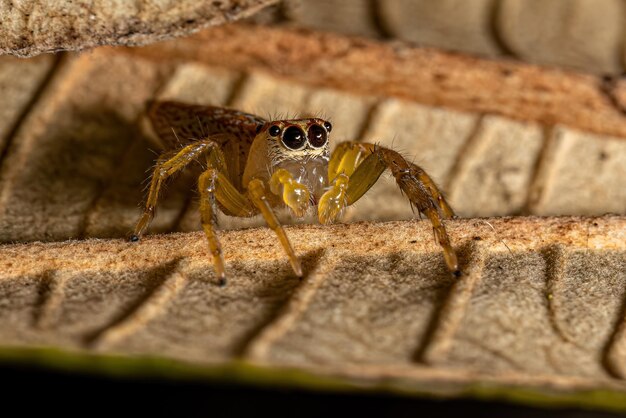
(213, 185)
(165, 168)
(258, 195)
(293, 194)
(364, 163)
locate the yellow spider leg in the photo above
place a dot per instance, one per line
(208, 217)
(167, 167)
(214, 184)
(258, 196)
(346, 157)
(217, 160)
(425, 179)
(335, 159)
(444, 241)
(294, 194)
(233, 202)
(364, 177)
(415, 184)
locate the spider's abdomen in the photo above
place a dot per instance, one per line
(178, 123)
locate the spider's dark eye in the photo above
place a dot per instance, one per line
(259, 127)
(317, 136)
(328, 126)
(274, 130)
(294, 137)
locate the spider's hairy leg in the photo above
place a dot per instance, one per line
(415, 184)
(214, 184)
(258, 195)
(164, 169)
(434, 191)
(294, 194)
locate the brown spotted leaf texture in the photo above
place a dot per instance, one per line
(538, 314)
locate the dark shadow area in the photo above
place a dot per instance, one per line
(83, 178)
(368, 310)
(19, 121)
(464, 253)
(45, 289)
(67, 170)
(39, 391)
(309, 261)
(216, 321)
(152, 279)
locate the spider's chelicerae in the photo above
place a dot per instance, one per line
(254, 165)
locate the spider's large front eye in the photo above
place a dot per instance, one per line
(317, 136)
(294, 138)
(274, 130)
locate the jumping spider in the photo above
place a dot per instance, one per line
(254, 165)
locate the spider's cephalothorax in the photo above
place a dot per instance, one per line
(298, 148)
(254, 166)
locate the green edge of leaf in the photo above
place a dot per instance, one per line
(251, 373)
